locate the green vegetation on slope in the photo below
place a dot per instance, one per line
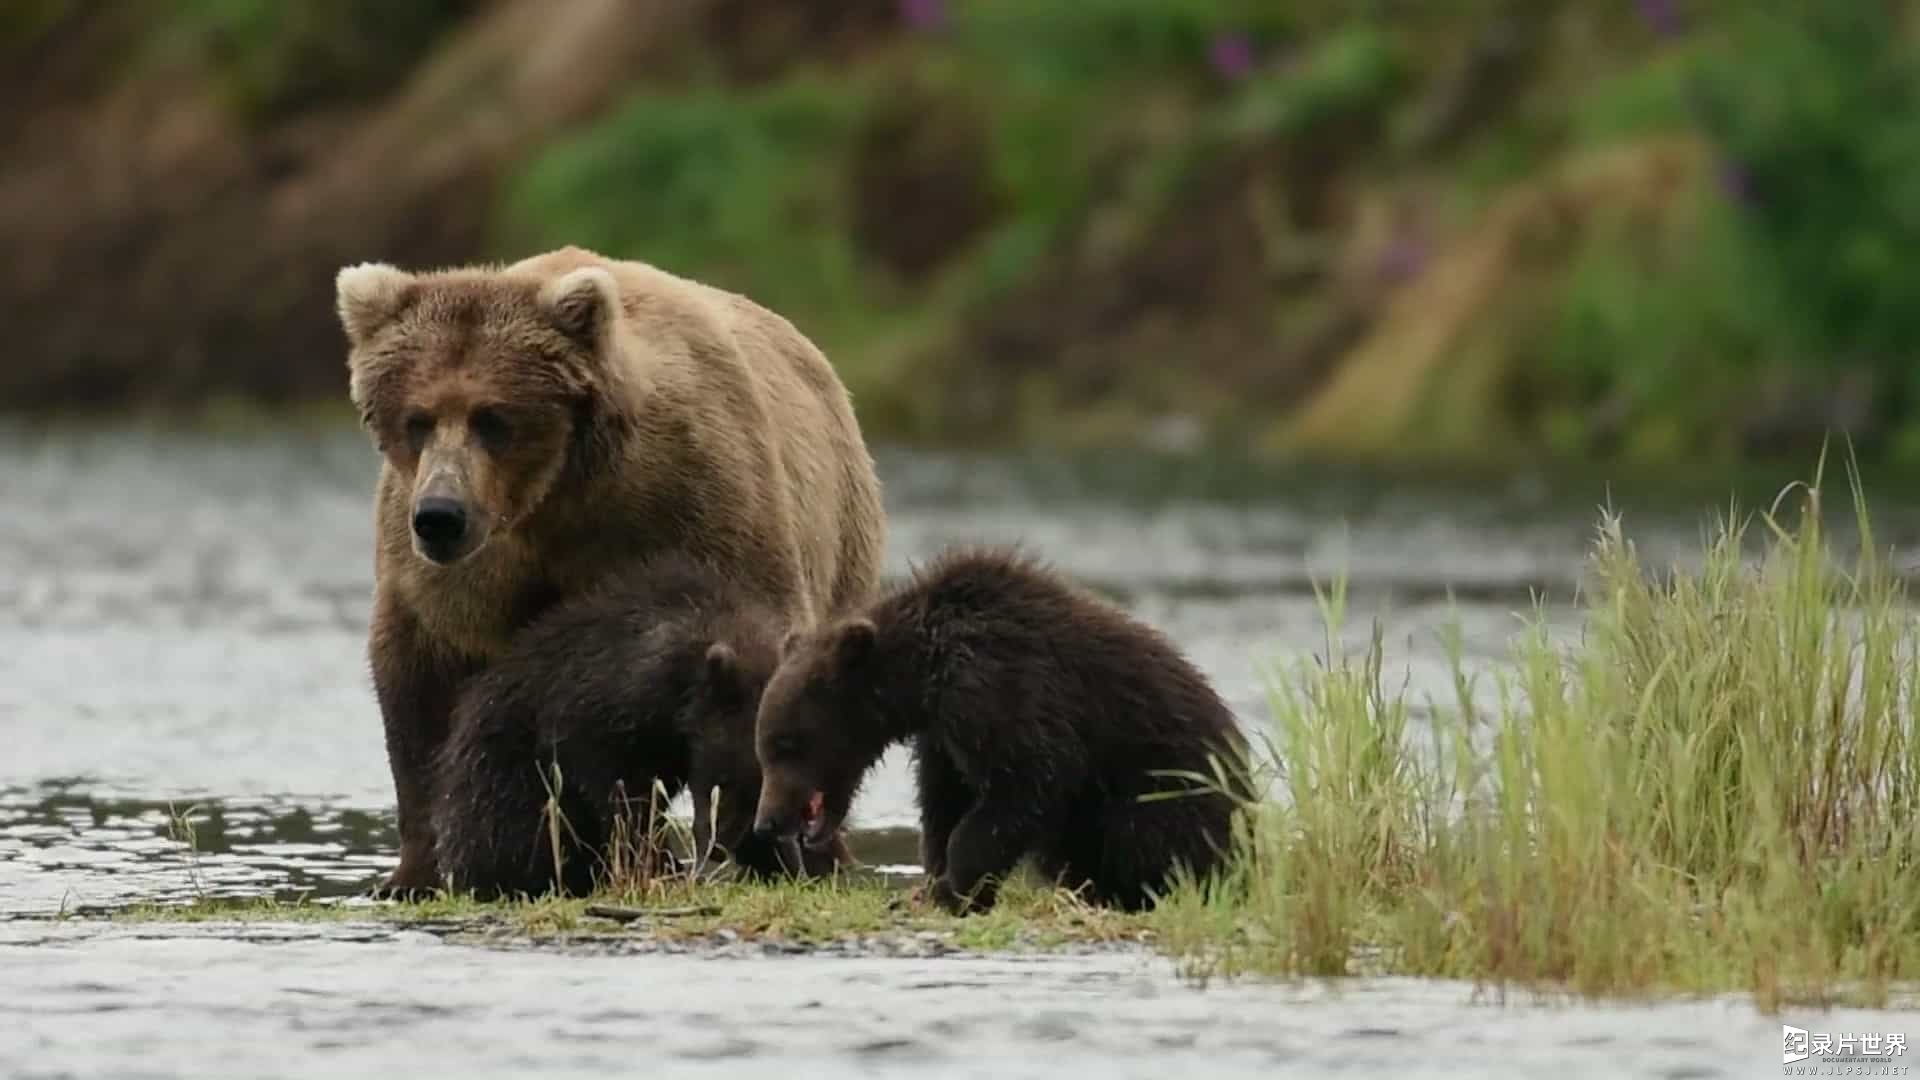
(890, 208)
(1040, 221)
(731, 188)
(1661, 231)
(272, 59)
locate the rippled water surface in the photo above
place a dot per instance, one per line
(182, 631)
(370, 1000)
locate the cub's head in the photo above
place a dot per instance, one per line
(719, 716)
(478, 387)
(817, 731)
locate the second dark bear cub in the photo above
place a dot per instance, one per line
(654, 676)
(1039, 716)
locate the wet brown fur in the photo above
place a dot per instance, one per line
(653, 677)
(645, 413)
(1038, 713)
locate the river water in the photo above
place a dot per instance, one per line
(182, 626)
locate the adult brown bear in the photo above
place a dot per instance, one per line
(543, 423)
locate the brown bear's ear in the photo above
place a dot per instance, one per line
(582, 303)
(369, 296)
(855, 641)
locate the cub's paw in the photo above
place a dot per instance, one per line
(914, 899)
(947, 898)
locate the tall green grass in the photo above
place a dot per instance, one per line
(1714, 788)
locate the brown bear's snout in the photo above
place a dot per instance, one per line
(773, 825)
(440, 525)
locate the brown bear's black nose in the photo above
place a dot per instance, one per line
(439, 522)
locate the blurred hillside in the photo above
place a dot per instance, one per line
(1655, 229)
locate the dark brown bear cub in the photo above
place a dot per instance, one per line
(1039, 716)
(653, 676)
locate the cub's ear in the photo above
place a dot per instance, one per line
(854, 641)
(581, 303)
(369, 296)
(723, 668)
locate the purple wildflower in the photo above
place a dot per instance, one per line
(1662, 15)
(1232, 55)
(1736, 182)
(924, 14)
(1404, 258)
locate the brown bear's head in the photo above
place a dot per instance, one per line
(476, 385)
(720, 718)
(818, 731)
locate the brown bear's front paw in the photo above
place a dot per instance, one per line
(406, 894)
(407, 883)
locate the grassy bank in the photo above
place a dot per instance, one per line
(1716, 788)
(858, 908)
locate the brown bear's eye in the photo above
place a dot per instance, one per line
(491, 429)
(785, 746)
(419, 426)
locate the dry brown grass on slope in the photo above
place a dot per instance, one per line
(1438, 343)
